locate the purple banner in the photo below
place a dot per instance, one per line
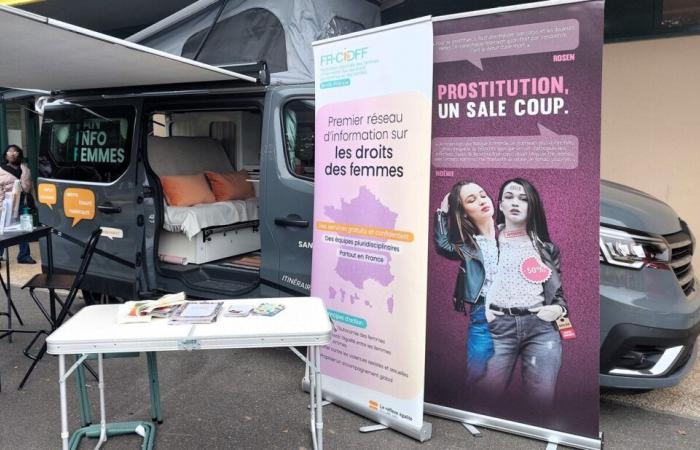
(473, 46)
(513, 324)
(545, 151)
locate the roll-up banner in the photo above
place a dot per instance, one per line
(512, 321)
(373, 114)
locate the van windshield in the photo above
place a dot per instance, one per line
(82, 144)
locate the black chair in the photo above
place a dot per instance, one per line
(52, 282)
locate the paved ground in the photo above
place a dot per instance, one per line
(252, 399)
(682, 400)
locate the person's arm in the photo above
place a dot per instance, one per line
(6, 183)
(440, 231)
(557, 308)
(26, 178)
(556, 263)
(441, 236)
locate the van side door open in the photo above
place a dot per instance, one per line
(88, 159)
(287, 192)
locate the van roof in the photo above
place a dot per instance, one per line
(244, 31)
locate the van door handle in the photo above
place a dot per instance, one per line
(108, 208)
(292, 220)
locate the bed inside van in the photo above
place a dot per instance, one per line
(208, 167)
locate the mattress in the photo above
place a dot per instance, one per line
(192, 219)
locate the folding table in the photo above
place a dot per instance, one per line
(94, 329)
(8, 239)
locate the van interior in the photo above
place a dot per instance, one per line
(207, 165)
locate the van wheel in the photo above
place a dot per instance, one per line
(97, 298)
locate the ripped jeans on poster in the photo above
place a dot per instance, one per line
(479, 343)
(537, 344)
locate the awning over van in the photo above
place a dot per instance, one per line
(45, 54)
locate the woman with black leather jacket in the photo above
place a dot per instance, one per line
(526, 297)
(464, 230)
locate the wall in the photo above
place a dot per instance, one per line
(651, 121)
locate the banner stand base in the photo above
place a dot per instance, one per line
(521, 429)
(372, 428)
(421, 435)
(474, 431)
(323, 403)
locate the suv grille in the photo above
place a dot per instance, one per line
(681, 260)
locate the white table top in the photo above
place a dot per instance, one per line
(94, 329)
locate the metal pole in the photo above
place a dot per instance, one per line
(101, 384)
(31, 121)
(312, 396)
(64, 406)
(4, 141)
(319, 397)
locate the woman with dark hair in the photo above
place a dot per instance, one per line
(12, 169)
(526, 297)
(464, 230)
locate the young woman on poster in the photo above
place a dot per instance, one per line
(464, 230)
(526, 296)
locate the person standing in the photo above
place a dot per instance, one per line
(14, 168)
(464, 230)
(526, 297)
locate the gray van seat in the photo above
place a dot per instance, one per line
(179, 155)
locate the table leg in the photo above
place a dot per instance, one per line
(52, 308)
(8, 294)
(64, 406)
(312, 394)
(101, 385)
(319, 397)
(49, 253)
(52, 293)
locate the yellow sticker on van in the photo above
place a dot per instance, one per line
(79, 204)
(47, 194)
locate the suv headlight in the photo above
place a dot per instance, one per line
(621, 248)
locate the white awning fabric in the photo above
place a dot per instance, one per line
(45, 54)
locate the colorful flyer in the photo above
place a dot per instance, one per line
(514, 217)
(373, 114)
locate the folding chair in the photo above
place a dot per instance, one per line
(53, 282)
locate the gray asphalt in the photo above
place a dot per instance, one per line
(253, 399)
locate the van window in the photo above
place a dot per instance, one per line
(253, 35)
(298, 122)
(86, 144)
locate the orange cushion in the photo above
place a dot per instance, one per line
(186, 190)
(230, 186)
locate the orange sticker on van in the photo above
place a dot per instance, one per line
(79, 204)
(47, 194)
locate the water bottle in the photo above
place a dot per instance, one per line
(26, 222)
